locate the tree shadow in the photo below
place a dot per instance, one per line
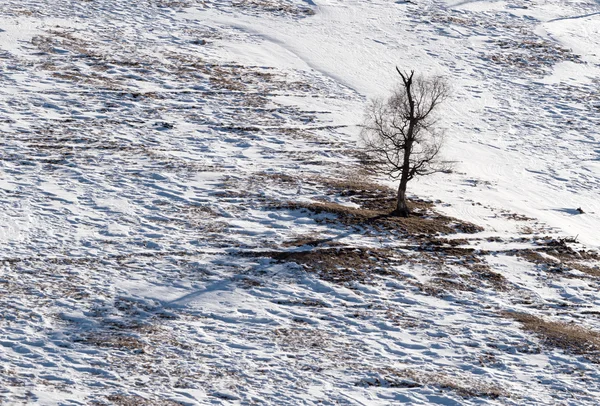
(568, 210)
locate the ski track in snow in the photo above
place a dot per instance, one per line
(145, 148)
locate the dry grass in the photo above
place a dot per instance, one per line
(368, 195)
(593, 271)
(484, 273)
(351, 185)
(343, 265)
(120, 342)
(411, 378)
(178, 3)
(302, 338)
(274, 6)
(303, 302)
(567, 336)
(132, 400)
(444, 280)
(556, 256)
(533, 55)
(340, 265)
(423, 222)
(312, 239)
(374, 204)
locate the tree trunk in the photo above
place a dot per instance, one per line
(401, 206)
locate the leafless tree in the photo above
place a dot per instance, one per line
(400, 135)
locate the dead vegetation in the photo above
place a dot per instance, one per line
(134, 400)
(65, 50)
(555, 255)
(275, 7)
(301, 338)
(178, 3)
(465, 387)
(116, 341)
(303, 302)
(469, 21)
(339, 265)
(423, 221)
(372, 205)
(533, 54)
(336, 263)
(569, 337)
(313, 240)
(486, 275)
(473, 276)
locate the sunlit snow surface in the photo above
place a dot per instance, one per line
(143, 148)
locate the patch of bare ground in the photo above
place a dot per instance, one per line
(352, 185)
(95, 260)
(117, 341)
(303, 302)
(275, 7)
(375, 204)
(423, 221)
(134, 400)
(446, 281)
(313, 240)
(278, 178)
(179, 3)
(351, 264)
(474, 275)
(255, 81)
(442, 253)
(570, 337)
(484, 273)
(411, 378)
(339, 265)
(515, 216)
(555, 255)
(301, 338)
(532, 54)
(343, 264)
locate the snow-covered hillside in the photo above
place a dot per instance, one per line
(184, 219)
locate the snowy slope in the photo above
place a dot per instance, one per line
(184, 219)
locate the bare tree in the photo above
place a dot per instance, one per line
(400, 135)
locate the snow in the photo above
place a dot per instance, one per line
(150, 153)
